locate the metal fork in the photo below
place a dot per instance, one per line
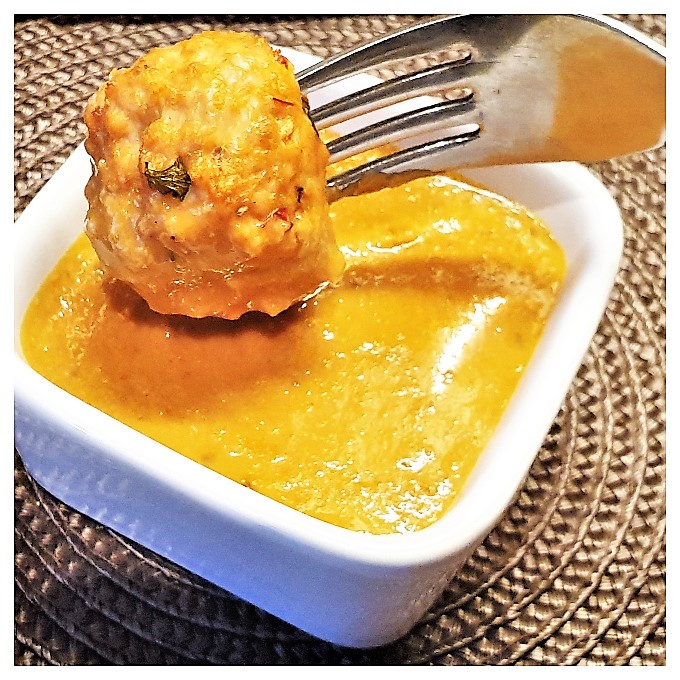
(527, 88)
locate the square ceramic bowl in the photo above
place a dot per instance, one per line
(348, 588)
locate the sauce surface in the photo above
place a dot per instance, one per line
(366, 406)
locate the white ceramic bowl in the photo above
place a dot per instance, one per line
(349, 588)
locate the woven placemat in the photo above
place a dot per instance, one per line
(574, 573)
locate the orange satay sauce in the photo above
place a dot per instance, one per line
(366, 406)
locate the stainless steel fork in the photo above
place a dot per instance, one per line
(526, 88)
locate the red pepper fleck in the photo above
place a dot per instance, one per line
(281, 214)
(281, 59)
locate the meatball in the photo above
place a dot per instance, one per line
(208, 191)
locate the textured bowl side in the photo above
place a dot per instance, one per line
(331, 594)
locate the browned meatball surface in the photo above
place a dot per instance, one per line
(208, 191)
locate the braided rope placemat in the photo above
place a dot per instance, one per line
(574, 573)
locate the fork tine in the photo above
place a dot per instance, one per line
(406, 159)
(395, 90)
(399, 127)
(417, 39)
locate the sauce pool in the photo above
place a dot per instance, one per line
(367, 406)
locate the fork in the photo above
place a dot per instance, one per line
(521, 88)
